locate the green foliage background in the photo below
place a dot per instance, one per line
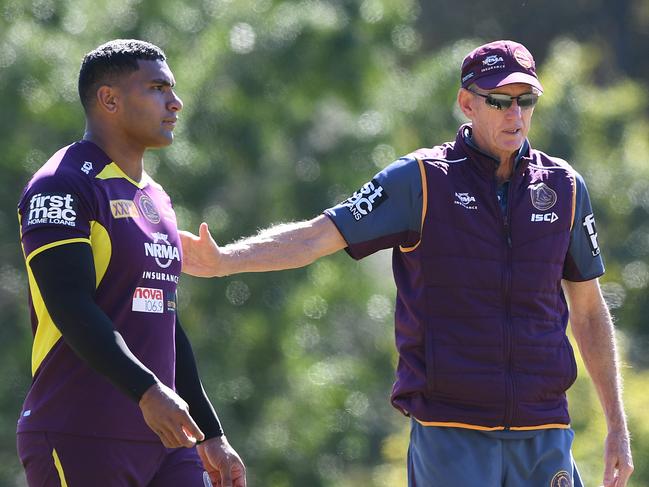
(289, 107)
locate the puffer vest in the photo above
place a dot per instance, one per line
(481, 317)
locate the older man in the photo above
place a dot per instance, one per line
(493, 243)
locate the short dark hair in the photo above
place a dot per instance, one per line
(110, 60)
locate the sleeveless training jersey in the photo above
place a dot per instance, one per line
(80, 195)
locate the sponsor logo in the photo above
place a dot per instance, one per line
(591, 232)
(543, 197)
(52, 208)
(366, 199)
(561, 479)
(87, 167)
(538, 174)
(493, 59)
(523, 58)
(149, 210)
(161, 250)
(544, 217)
(171, 302)
(160, 276)
(465, 200)
(206, 480)
(123, 209)
(147, 300)
(468, 76)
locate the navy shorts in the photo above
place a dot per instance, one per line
(60, 460)
(439, 456)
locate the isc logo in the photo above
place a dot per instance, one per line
(544, 217)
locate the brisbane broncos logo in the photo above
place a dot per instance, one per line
(561, 479)
(543, 197)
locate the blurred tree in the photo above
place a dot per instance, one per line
(289, 107)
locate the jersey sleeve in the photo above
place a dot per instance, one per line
(584, 260)
(384, 213)
(55, 209)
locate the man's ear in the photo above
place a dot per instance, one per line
(107, 98)
(465, 102)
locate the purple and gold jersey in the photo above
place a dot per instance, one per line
(80, 195)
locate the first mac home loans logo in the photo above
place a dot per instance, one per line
(366, 199)
(52, 208)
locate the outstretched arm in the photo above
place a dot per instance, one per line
(593, 329)
(284, 246)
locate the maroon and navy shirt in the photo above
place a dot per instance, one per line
(80, 195)
(387, 213)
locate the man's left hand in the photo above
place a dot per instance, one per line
(222, 463)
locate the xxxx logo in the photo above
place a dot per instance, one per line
(123, 209)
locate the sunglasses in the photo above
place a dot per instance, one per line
(503, 102)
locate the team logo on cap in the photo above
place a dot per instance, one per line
(561, 479)
(148, 209)
(493, 59)
(523, 58)
(543, 197)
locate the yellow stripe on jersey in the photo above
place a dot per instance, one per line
(101, 250)
(493, 428)
(424, 188)
(47, 334)
(112, 171)
(59, 468)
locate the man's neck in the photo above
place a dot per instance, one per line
(128, 158)
(505, 168)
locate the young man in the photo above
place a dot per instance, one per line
(492, 242)
(114, 376)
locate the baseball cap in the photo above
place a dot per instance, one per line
(499, 63)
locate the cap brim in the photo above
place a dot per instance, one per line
(502, 79)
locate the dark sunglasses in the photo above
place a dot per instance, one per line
(503, 102)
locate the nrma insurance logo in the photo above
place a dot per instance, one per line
(161, 250)
(53, 209)
(366, 199)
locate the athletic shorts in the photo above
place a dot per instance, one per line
(440, 456)
(60, 460)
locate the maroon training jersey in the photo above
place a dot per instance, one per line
(80, 195)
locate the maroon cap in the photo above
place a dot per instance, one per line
(499, 63)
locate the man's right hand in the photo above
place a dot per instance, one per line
(201, 254)
(167, 414)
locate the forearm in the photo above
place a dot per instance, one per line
(595, 336)
(285, 246)
(189, 387)
(65, 277)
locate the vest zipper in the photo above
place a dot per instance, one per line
(507, 326)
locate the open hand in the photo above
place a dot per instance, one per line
(201, 255)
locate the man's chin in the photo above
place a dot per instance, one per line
(163, 141)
